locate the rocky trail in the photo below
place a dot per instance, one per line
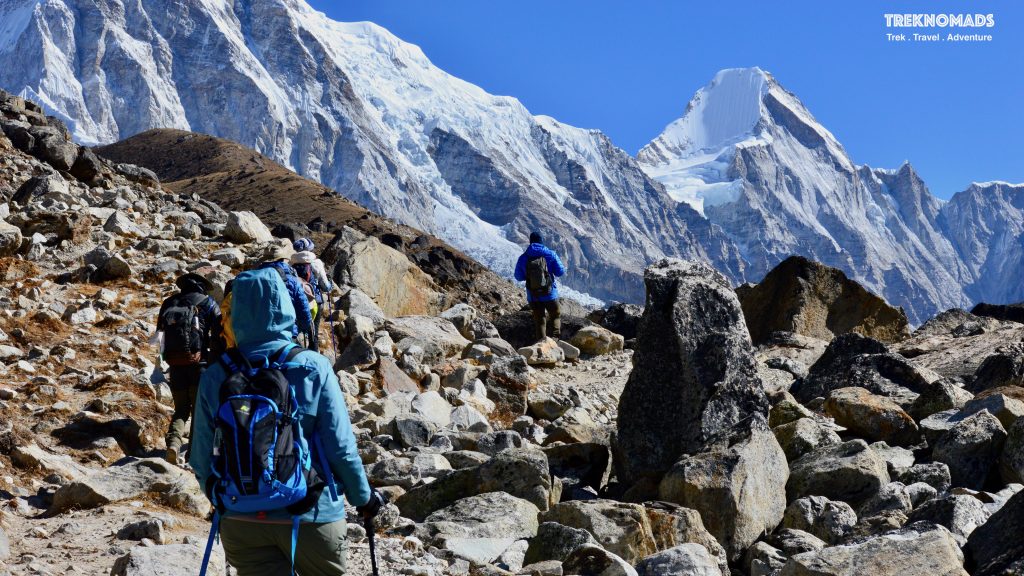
(661, 440)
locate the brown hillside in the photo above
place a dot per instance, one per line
(239, 178)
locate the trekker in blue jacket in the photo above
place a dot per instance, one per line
(277, 258)
(538, 267)
(260, 544)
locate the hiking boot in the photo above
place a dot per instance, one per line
(172, 455)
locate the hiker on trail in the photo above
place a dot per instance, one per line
(268, 527)
(539, 267)
(277, 258)
(312, 272)
(189, 322)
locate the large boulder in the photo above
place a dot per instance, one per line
(547, 352)
(245, 227)
(509, 380)
(391, 280)
(803, 436)
(166, 560)
(971, 449)
(739, 487)
(829, 520)
(556, 541)
(620, 318)
(10, 239)
(481, 527)
(809, 298)
(960, 513)
(133, 478)
(430, 329)
(674, 525)
(689, 559)
(921, 549)
(595, 340)
(855, 360)
(1009, 312)
(622, 528)
(851, 472)
(596, 561)
(522, 473)
(871, 416)
(996, 547)
(1011, 463)
(694, 374)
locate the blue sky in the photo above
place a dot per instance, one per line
(629, 68)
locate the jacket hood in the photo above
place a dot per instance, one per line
(261, 309)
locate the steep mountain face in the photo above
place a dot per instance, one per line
(753, 160)
(364, 113)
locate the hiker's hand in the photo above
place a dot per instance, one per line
(373, 505)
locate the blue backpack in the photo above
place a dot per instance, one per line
(261, 461)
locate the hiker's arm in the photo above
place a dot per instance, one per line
(199, 456)
(339, 442)
(555, 264)
(521, 268)
(303, 317)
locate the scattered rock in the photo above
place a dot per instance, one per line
(872, 417)
(689, 559)
(595, 340)
(245, 227)
(850, 472)
(971, 449)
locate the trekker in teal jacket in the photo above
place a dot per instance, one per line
(260, 545)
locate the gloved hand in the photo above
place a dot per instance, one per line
(373, 505)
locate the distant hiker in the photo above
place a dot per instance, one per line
(277, 258)
(539, 267)
(273, 444)
(312, 273)
(190, 323)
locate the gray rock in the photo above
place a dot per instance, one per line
(920, 493)
(460, 459)
(433, 407)
(493, 442)
(996, 547)
(588, 559)
(689, 559)
(547, 352)
(596, 340)
(622, 528)
(893, 497)
(462, 317)
(673, 525)
(583, 464)
(943, 395)
(971, 449)
(694, 374)
(549, 405)
(520, 472)
(896, 457)
(764, 559)
(10, 239)
(739, 488)
(804, 435)
(167, 560)
(792, 542)
(1005, 408)
(438, 331)
(414, 430)
(151, 528)
(508, 382)
(960, 513)
(392, 472)
(467, 418)
(934, 474)
(489, 515)
(1011, 462)
(5, 546)
(871, 416)
(827, 519)
(850, 472)
(555, 541)
(855, 360)
(935, 426)
(356, 302)
(245, 227)
(133, 478)
(918, 550)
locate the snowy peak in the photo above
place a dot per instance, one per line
(725, 112)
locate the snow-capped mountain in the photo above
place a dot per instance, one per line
(363, 112)
(749, 156)
(744, 179)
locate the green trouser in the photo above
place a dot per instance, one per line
(184, 383)
(262, 549)
(552, 325)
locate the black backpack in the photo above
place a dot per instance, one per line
(538, 279)
(183, 329)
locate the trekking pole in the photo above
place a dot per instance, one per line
(370, 533)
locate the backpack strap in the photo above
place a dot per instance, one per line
(295, 539)
(328, 474)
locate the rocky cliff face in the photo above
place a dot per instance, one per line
(753, 159)
(367, 115)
